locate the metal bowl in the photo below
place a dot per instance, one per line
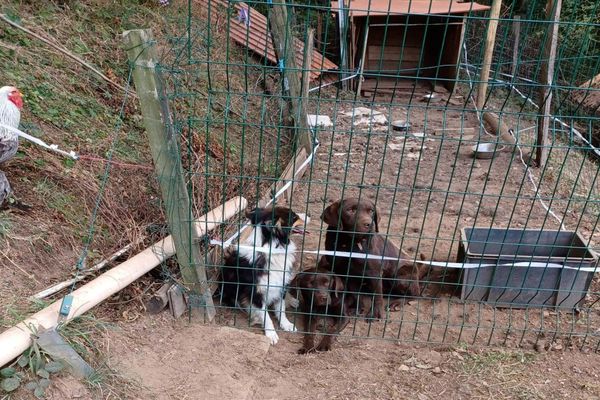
(486, 150)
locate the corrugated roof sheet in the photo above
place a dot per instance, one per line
(256, 36)
(362, 8)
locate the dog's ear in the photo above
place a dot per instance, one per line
(331, 214)
(278, 227)
(376, 218)
(338, 286)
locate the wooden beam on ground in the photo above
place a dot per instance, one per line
(500, 129)
(141, 51)
(490, 41)
(547, 80)
(283, 41)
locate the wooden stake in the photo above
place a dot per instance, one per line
(283, 41)
(490, 40)
(141, 51)
(547, 79)
(305, 138)
(517, 33)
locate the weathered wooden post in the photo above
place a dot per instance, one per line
(164, 146)
(305, 138)
(547, 80)
(490, 41)
(283, 42)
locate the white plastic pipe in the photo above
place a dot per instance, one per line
(17, 339)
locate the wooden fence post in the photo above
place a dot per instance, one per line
(490, 40)
(283, 42)
(306, 138)
(547, 79)
(139, 44)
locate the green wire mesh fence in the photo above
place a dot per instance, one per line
(502, 249)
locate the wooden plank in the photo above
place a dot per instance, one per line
(257, 38)
(395, 52)
(547, 80)
(393, 67)
(141, 52)
(371, 83)
(490, 40)
(500, 129)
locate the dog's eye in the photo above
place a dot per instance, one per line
(351, 210)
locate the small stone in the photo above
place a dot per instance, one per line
(404, 368)
(437, 370)
(546, 314)
(558, 347)
(455, 354)
(539, 346)
(411, 361)
(432, 357)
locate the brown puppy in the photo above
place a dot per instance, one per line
(323, 299)
(353, 225)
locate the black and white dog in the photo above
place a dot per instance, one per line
(256, 280)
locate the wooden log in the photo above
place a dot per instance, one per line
(490, 40)
(500, 129)
(547, 80)
(17, 339)
(167, 161)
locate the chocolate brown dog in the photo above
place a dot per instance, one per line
(353, 225)
(325, 299)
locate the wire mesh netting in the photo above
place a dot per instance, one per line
(478, 247)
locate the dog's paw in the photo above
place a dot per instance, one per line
(288, 326)
(378, 313)
(273, 337)
(324, 347)
(293, 302)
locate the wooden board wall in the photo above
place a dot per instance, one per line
(413, 46)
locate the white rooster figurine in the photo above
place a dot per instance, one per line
(11, 102)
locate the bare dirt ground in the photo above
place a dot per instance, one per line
(165, 359)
